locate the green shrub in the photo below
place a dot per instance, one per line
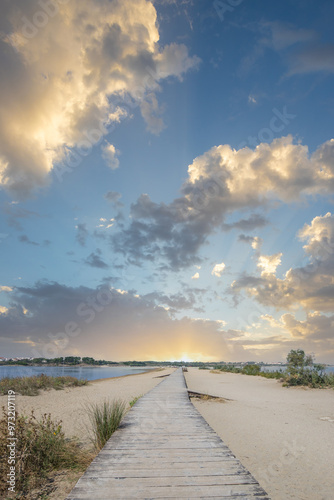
(277, 374)
(251, 369)
(41, 448)
(105, 418)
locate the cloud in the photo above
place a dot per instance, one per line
(15, 214)
(313, 59)
(195, 277)
(74, 78)
(254, 241)
(284, 35)
(311, 285)
(269, 263)
(316, 327)
(218, 270)
(299, 48)
(253, 222)
(113, 197)
(81, 234)
(220, 182)
(126, 325)
(24, 239)
(105, 223)
(152, 114)
(94, 260)
(110, 156)
(4, 288)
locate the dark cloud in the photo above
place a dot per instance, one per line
(114, 198)
(94, 260)
(176, 301)
(104, 323)
(253, 222)
(24, 239)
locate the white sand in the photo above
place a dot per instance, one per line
(280, 434)
(70, 405)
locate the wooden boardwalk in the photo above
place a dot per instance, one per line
(165, 449)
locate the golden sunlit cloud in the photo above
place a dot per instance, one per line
(60, 78)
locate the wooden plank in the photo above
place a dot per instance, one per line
(101, 491)
(165, 449)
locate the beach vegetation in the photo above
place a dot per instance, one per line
(134, 400)
(300, 370)
(105, 418)
(40, 449)
(31, 386)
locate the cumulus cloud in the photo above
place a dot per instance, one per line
(72, 79)
(311, 286)
(4, 288)
(269, 263)
(218, 270)
(110, 156)
(220, 182)
(195, 277)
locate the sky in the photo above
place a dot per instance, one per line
(167, 179)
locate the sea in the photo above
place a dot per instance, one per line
(80, 372)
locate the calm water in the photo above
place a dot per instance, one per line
(89, 373)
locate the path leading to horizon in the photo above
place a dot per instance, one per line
(165, 449)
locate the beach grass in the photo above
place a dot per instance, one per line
(105, 419)
(40, 449)
(134, 400)
(31, 386)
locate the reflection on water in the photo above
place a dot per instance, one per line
(83, 372)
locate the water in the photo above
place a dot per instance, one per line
(82, 372)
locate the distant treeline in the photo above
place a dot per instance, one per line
(77, 360)
(68, 360)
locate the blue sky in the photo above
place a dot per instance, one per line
(175, 158)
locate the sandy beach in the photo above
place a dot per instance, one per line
(70, 405)
(284, 436)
